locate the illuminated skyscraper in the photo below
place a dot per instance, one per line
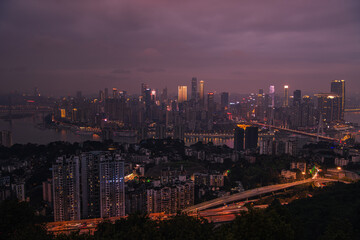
(338, 87)
(272, 96)
(182, 94)
(112, 188)
(193, 88)
(286, 96)
(201, 94)
(66, 189)
(329, 106)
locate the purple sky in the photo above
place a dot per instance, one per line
(235, 46)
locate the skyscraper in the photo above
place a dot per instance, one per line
(182, 94)
(90, 185)
(112, 188)
(193, 88)
(211, 103)
(224, 100)
(286, 96)
(245, 137)
(201, 94)
(329, 106)
(297, 98)
(143, 89)
(338, 87)
(66, 189)
(272, 96)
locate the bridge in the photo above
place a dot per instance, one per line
(249, 194)
(352, 110)
(320, 137)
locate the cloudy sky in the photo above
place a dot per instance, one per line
(236, 46)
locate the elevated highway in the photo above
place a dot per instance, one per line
(249, 194)
(323, 138)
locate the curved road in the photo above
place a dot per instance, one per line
(248, 194)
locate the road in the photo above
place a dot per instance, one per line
(247, 194)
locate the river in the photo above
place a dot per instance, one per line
(26, 130)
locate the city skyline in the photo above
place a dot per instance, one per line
(237, 46)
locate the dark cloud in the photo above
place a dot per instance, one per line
(121, 71)
(151, 70)
(232, 45)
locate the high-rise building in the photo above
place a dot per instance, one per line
(338, 87)
(329, 106)
(5, 138)
(106, 93)
(211, 103)
(112, 187)
(90, 185)
(245, 137)
(66, 188)
(182, 94)
(272, 96)
(224, 100)
(201, 94)
(143, 89)
(297, 98)
(286, 96)
(115, 93)
(193, 88)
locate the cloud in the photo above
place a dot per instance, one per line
(121, 71)
(151, 70)
(308, 42)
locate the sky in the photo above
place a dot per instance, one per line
(236, 46)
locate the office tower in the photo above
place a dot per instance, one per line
(245, 137)
(101, 96)
(6, 138)
(307, 112)
(329, 106)
(36, 92)
(239, 139)
(78, 94)
(66, 189)
(297, 98)
(144, 86)
(164, 95)
(272, 96)
(338, 87)
(90, 185)
(112, 188)
(224, 100)
(201, 94)
(286, 96)
(182, 94)
(193, 88)
(251, 137)
(115, 93)
(106, 93)
(211, 103)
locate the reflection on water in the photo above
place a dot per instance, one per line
(30, 130)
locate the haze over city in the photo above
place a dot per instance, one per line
(240, 46)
